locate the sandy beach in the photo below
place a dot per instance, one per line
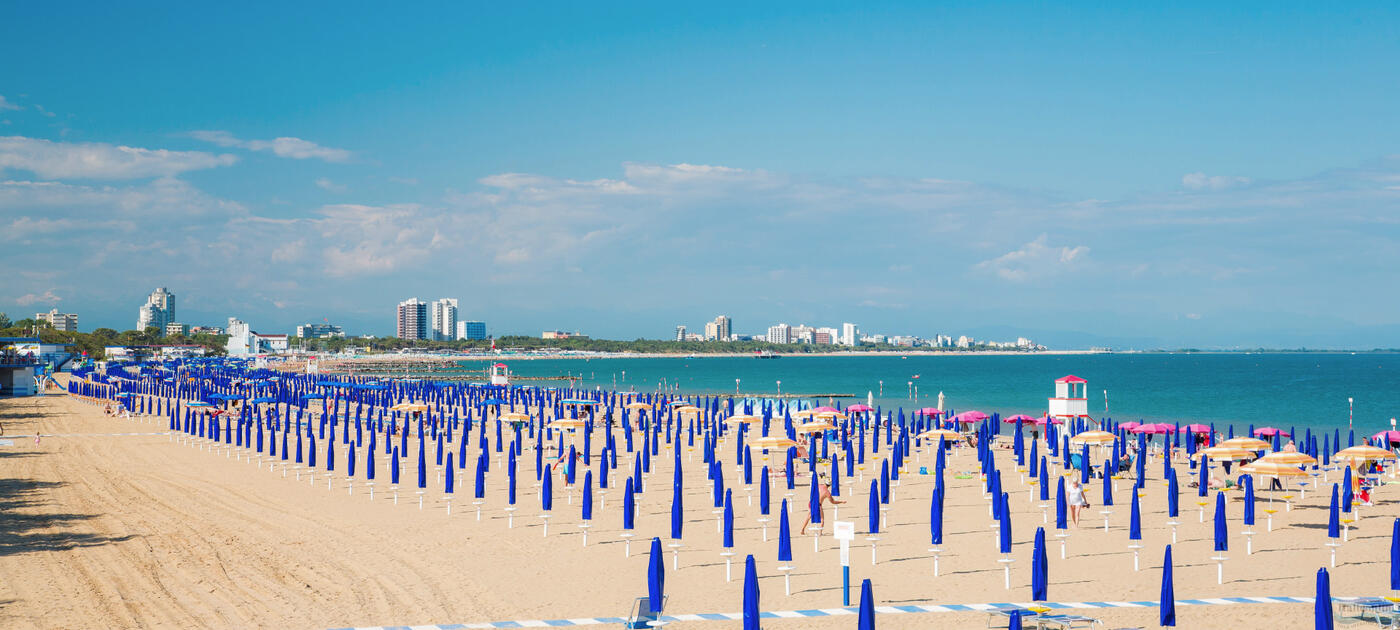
(116, 523)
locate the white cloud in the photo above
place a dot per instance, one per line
(326, 184)
(1035, 259)
(1201, 181)
(95, 160)
(6, 105)
(29, 299)
(287, 147)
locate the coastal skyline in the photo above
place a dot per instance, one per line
(1132, 178)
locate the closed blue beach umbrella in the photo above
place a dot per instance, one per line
(1004, 526)
(1107, 486)
(1395, 555)
(1203, 484)
(1248, 481)
(784, 535)
(677, 513)
(393, 467)
(449, 478)
(814, 506)
(1135, 520)
(764, 493)
(1222, 541)
(629, 507)
(935, 517)
(1166, 608)
(588, 496)
(751, 612)
(547, 493)
(866, 615)
(656, 578)
(1334, 525)
(1173, 497)
(1061, 520)
(728, 520)
(1322, 602)
(873, 514)
(1040, 568)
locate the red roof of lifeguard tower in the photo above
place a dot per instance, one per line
(1070, 379)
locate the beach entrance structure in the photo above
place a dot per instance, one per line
(1071, 398)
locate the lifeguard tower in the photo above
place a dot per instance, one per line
(1071, 398)
(500, 374)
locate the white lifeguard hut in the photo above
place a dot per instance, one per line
(1071, 398)
(500, 374)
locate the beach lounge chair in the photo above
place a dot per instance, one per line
(641, 615)
(1368, 612)
(1068, 622)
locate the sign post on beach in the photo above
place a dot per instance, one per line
(845, 532)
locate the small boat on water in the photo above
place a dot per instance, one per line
(768, 354)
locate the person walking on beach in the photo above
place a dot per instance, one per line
(1074, 498)
(823, 496)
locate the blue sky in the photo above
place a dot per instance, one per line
(1196, 175)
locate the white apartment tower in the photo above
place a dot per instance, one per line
(723, 327)
(782, 333)
(158, 311)
(850, 336)
(444, 319)
(680, 333)
(412, 320)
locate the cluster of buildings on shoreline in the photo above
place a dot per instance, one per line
(438, 321)
(849, 334)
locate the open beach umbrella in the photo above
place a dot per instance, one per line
(1322, 602)
(656, 578)
(1222, 541)
(866, 615)
(1040, 569)
(1166, 608)
(751, 612)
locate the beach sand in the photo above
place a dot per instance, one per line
(149, 531)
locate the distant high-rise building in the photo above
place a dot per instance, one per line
(824, 336)
(723, 328)
(782, 333)
(680, 333)
(711, 331)
(965, 341)
(471, 330)
(444, 316)
(158, 310)
(803, 333)
(64, 322)
(413, 320)
(849, 335)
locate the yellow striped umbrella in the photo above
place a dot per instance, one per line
(743, 420)
(515, 417)
(1293, 458)
(772, 442)
(1093, 437)
(1253, 444)
(419, 407)
(567, 423)
(1357, 454)
(1272, 469)
(815, 427)
(934, 434)
(637, 405)
(1229, 453)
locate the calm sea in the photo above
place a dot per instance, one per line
(1263, 389)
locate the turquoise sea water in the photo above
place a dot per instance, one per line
(1264, 389)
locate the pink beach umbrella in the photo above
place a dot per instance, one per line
(1270, 432)
(1129, 426)
(859, 407)
(1387, 437)
(1195, 428)
(1048, 420)
(929, 411)
(1154, 429)
(1019, 418)
(970, 417)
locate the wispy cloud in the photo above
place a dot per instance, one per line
(326, 184)
(287, 147)
(30, 299)
(1035, 259)
(8, 106)
(94, 160)
(1201, 181)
